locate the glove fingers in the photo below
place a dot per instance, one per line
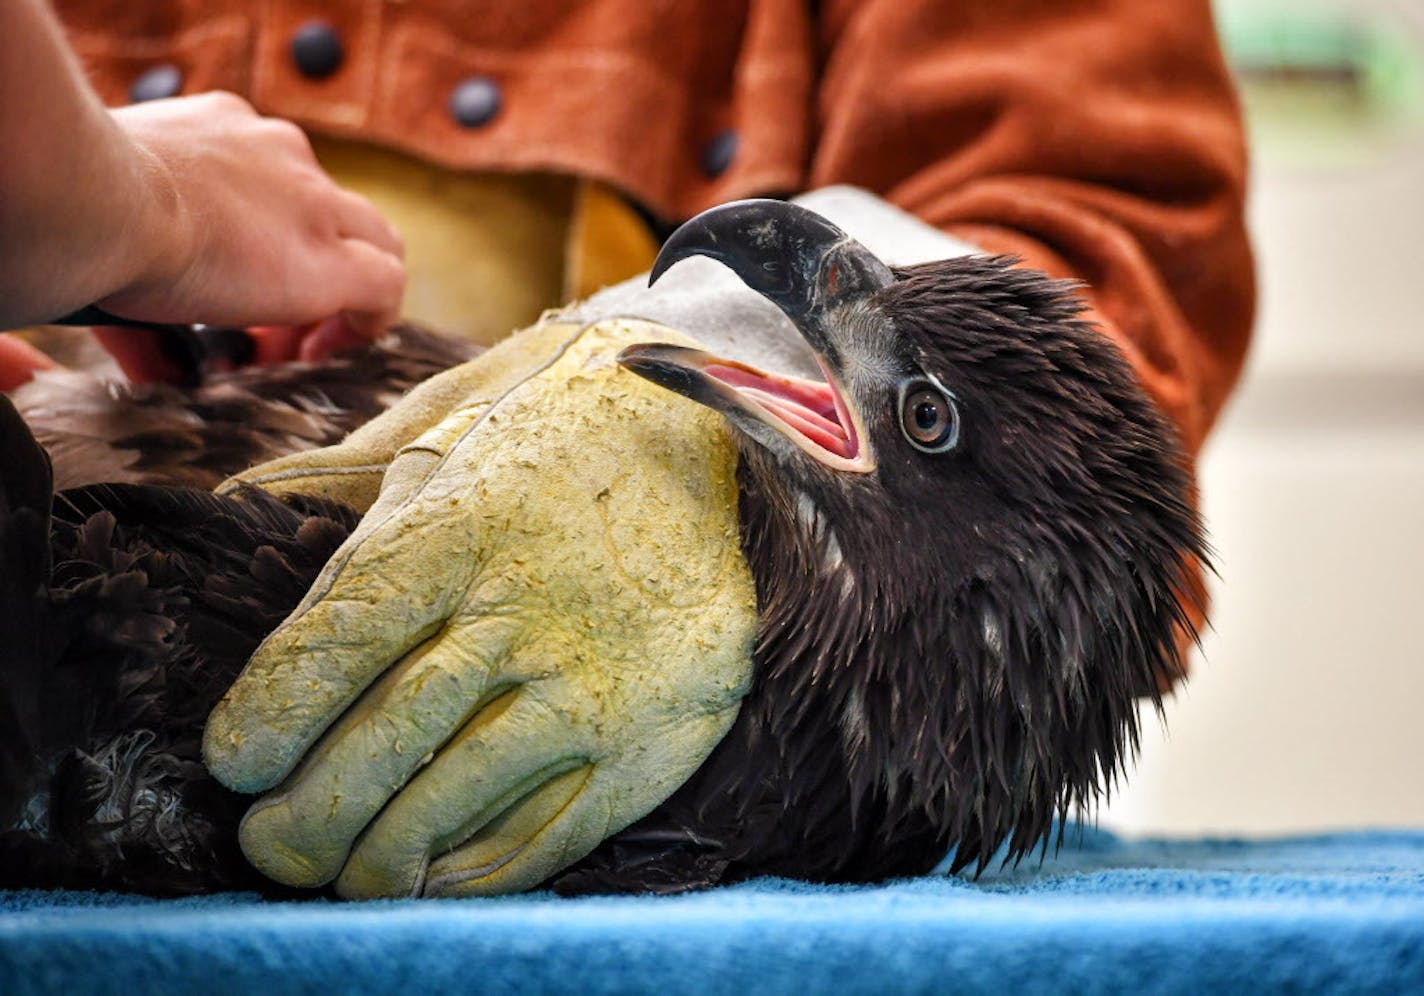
(301, 834)
(569, 816)
(351, 471)
(513, 747)
(384, 593)
(547, 830)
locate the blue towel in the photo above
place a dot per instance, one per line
(1338, 913)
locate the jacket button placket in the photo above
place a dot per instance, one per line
(156, 83)
(718, 154)
(316, 50)
(475, 101)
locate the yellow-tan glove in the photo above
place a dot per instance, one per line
(540, 628)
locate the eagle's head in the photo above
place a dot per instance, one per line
(972, 543)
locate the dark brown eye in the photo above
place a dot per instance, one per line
(928, 417)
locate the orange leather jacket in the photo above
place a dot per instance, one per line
(1096, 138)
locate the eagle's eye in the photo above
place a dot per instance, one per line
(929, 417)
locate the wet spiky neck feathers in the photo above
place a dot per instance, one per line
(971, 635)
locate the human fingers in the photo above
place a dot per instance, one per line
(360, 219)
(369, 286)
(280, 136)
(309, 343)
(19, 361)
(382, 594)
(139, 354)
(511, 749)
(208, 106)
(328, 337)
(245, 228)
(277, 343)
(301, 834)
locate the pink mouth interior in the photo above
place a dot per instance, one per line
(813, 409)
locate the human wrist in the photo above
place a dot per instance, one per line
(149, 222)
(99, 225)
(71, 194)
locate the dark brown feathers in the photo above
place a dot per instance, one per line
(101, 431)
(156, 598)
(126, 614)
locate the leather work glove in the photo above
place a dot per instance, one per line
(541, 627)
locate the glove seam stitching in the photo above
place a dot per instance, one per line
(297, 473)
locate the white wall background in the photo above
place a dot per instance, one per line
(1307, 710)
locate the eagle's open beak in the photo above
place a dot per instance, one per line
(814, 273)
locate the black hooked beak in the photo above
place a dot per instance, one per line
(791, 256)
(811, 270)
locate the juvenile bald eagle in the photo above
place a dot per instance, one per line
(971, 543)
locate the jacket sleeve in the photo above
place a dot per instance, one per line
(1099, 139)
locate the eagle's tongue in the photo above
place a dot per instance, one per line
(812, 409)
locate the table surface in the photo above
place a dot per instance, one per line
(1330, 913)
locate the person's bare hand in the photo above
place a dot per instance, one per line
(194, 209)
(242, 226)
(141, 356)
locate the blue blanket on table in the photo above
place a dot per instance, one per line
(1338, 913)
